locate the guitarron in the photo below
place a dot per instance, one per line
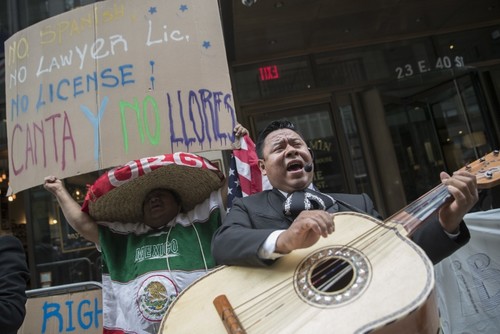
(366, 277)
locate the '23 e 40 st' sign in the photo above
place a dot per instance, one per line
(423, 66)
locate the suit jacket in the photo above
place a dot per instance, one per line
(14, 275)
(252, 219)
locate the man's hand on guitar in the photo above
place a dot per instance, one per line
(305, 231)
(463, 187)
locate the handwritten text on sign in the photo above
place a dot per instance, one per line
(113, 82)
(79, 312)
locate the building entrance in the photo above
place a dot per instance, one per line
(442, 128)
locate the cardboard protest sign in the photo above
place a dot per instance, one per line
(116, 81)
(72, 312)
(468, 281)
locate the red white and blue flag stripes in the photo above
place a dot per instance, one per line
(244, 177)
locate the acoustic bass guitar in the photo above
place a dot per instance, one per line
(366, 277)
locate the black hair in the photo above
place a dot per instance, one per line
(271, 127)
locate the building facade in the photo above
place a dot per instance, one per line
(383, 115)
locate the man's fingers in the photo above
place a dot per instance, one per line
(331, 226)
(318, 221)
(325, 224)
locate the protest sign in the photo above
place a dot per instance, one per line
(64, 312)
(115, 81)
(468, 281)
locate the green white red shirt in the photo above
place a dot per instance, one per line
(144, 269)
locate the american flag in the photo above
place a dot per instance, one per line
(244, 176)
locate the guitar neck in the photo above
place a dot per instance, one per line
(415, 214)
(486, 170)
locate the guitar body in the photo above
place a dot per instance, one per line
(387, 287)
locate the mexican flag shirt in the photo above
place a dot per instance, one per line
(145, 269)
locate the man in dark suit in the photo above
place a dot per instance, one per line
(14, 275)
(263, 227)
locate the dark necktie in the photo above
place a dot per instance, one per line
(307, 199)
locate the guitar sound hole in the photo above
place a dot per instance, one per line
(332, 275)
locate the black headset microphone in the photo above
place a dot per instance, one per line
(309, 166)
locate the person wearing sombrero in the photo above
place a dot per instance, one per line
(153, 221)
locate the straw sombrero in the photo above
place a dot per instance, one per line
(118, 194)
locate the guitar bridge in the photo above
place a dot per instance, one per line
(227, 315)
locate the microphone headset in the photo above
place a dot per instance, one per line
(309, 166)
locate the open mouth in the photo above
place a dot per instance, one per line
(294, 166)
(155, 205)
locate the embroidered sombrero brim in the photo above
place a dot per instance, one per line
(118, 195)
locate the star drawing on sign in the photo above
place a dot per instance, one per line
(183, 8)
(152, 10)
(206, 44)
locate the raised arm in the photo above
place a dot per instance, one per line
(79, 220)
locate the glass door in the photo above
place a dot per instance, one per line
(459, 123)
(416, 146)
(440, 129)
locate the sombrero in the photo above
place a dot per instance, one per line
(118, 194)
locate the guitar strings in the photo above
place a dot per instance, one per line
(410, 218)
(274, 299)
(413, 215)
(281, 296)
